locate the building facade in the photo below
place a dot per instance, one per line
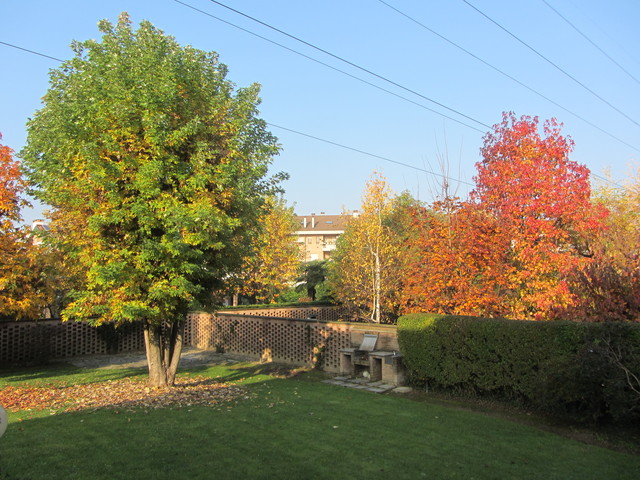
(317, 234)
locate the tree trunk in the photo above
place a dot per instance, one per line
(176, 342)
(153, 346)
(376, 289)
(163, 347)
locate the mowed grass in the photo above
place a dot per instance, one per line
(287, 428)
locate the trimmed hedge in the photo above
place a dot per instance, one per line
(582, 371)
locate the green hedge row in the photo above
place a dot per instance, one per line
(584, 371)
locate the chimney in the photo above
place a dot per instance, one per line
(304, 223)
(313, 222)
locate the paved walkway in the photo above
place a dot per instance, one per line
(190, 357)
(365, 384)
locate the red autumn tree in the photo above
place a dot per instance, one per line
(541, 199)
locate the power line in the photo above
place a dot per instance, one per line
(508, 76)
(591, 41)
(353, 149)
(622, 47)
(328, 66)
(31, 51)
(378, 76)
(368, 154)
(337, 57)
(550, 62)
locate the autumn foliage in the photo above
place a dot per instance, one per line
(456, 261)
(366, 268)
(608, 286)
(21, 289)
(541, 200)
(529, 243)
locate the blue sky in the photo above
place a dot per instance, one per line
(311, 98)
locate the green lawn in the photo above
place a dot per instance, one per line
(288, 429)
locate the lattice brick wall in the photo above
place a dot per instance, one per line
(294, 339)
(23, 342)
(326, 313)
(298, 342)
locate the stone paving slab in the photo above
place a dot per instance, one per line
(361, 384)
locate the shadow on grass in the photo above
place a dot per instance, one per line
(255, 372)
(62, 373)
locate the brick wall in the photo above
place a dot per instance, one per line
(329, 314)
(289, 336)
(302, 342)
(24, 342)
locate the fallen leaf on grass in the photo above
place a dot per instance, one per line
(126, 393)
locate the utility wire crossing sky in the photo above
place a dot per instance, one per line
(404, 88)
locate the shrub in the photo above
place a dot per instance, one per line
(583, 371)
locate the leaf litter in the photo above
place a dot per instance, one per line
(128, 393)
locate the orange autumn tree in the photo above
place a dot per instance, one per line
(20, 295)
(457, 262)
(541, 199)
(608, 286)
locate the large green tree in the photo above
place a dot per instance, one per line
(156, 166)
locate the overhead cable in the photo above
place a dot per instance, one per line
(557, 67)
(591, 42)
(353, 149)
(369, 154)
(348, 62)
(31, 51)
(373, 155)
(329, 66)
(509, 76)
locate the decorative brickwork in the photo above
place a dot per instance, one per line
(305, 342)
(308, 336)
(328, 314)
(24, 342)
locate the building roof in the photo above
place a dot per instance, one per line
(321, 223)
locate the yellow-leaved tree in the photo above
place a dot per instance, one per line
(364, 269)
(273, 262)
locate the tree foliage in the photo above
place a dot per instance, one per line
(608, 286)
(312, 276)
(365, 267)
(456, 261)
(541, 199)
(514, 247)
(273, 262)
(22, 293)
(155, 167)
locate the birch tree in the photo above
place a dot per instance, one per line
(363, 269)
